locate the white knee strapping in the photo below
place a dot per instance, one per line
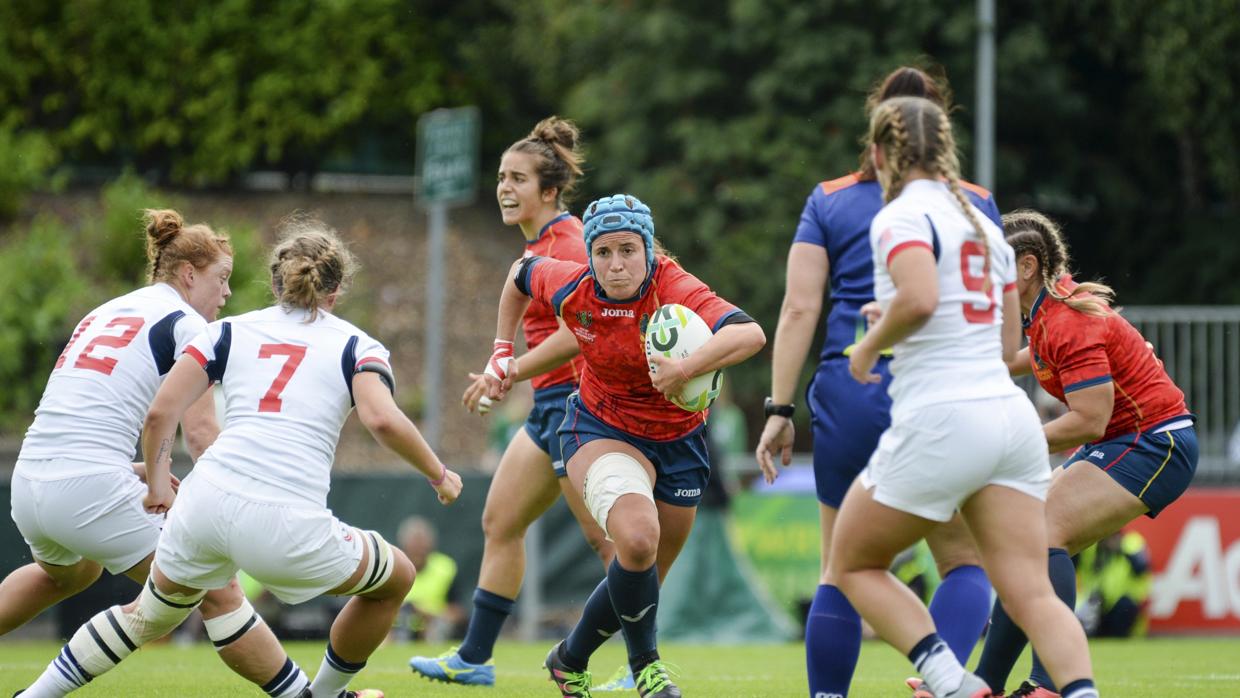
(609, 477)
(379, 565)
(109, 637)
(230, 627)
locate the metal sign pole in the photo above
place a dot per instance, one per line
(432, 372)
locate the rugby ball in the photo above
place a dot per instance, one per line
(676, 332)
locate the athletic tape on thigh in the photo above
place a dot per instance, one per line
(230, 627)
(609, 477)
(378, 568)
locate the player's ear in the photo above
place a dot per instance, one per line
(1028, 266)
(549, 194)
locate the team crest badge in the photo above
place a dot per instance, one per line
(585, 318)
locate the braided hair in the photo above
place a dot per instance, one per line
(1030, 232)
(913, 132)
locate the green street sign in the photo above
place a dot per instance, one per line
(448, 156)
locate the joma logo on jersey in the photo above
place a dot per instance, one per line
(618, 312)
(585, 318)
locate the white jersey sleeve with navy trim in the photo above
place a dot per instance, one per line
(957, 354)
(103, 382)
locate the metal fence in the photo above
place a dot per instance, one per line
(1200, 347)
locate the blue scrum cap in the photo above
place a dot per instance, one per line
(617, 213)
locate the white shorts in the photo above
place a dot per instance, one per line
(297, 553)
(97, 516)
(930, 460)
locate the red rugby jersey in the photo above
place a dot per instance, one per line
(560, 238)
(1070, 350)
(615, 385)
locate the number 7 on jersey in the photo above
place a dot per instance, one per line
(271, 401)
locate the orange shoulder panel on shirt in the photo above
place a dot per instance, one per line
(976, 189)
(839, 183)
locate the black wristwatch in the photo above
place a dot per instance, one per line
(770, 408)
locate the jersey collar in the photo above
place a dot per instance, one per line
(543, 230)
(1033, 310)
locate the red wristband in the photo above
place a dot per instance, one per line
(439, 481)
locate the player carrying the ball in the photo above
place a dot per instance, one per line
(639, 460)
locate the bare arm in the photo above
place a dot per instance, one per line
(1089, 412)
(808, 267)
(200, 425)
(1012, 330)
(512, 305)
(185, 384)
(554, 351)
(914, 273)
(1019, 365)
(384, 419)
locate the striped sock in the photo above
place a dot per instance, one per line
(60, 677)
(334, 675)
(289, 681)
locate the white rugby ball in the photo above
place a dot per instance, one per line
(676, 332)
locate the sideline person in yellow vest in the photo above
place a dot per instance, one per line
(1113, 579)
(429, 612)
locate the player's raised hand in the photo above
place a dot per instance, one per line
(777, 435)
(448, 486)
(501, 369)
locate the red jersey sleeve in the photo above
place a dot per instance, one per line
(1078, 351)
(675, 285)
(551, 280)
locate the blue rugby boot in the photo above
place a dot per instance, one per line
(622, 680)
(450, 668)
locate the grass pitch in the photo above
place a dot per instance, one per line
(1166, 668)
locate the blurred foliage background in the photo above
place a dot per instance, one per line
(1120, 117)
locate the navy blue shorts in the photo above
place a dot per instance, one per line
(847, 418)
(545, 418)
(1156, 467)
(681, 466)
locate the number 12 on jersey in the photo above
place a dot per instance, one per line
(295, 353)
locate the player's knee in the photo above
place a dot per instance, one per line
(499, 525)
(224, 627)
(403, 575)
(217, 602)
(610, 477)
(637, 542)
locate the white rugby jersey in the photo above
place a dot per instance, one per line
(958, 353)
(288, 388)
(103, 382)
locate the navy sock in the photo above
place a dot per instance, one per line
(1004, 643)
(1081, 688)
(960, 608)
(635, 596)
(598, 622)
(490, 612)
(1063, 579)
(832, 642)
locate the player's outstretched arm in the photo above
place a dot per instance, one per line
(185, 384)
(388, 424)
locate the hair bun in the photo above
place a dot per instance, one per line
(553, 130)
(162, 225)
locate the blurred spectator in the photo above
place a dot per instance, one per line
(727, 441)
(1113, 583)
(429, 613)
